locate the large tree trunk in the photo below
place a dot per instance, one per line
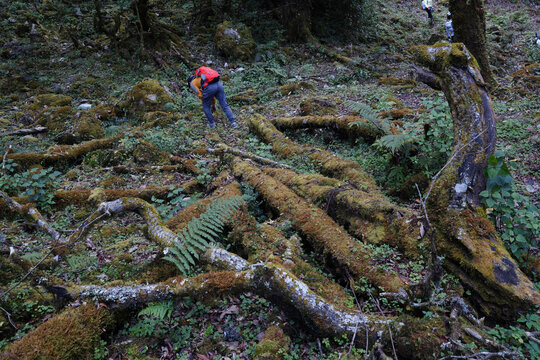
(472, 249)
(469, 21)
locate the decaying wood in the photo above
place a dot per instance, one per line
(36, 130)
(369, 216)
(361, 129)
(328, 163)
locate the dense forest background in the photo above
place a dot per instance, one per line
(378, 200)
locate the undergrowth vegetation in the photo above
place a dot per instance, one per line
(414, 140)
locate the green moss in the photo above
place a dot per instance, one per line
(71, 335)
(235, 41)
(145, 96)
(273, 346)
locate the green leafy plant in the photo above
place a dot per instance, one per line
(518, 338)
(199, 232)
(37, 184)
(175, 200)
(370, 114)
(515, 216)
(161, 310)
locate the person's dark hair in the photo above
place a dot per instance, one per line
(189, 80)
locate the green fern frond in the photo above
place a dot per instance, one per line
(199, 232)
(159, 310)
(395, 142)
(370, 114)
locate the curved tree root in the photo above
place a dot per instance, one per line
(367, 216)
(277, 284)
(320, 230)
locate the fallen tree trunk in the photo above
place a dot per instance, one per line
(327, 237)
(362, 128)
(472, 249)
(328, 163)
(36, 130)
(64, 198)
(64, 155)
(367, 216)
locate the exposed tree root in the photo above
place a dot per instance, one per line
(275, 283)
(368, 216)
(320, 230)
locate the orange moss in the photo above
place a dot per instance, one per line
(71, 335)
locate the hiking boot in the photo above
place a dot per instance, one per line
(212, 125)
(234, 125)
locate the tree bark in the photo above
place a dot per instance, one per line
(469, 21)
(473, 251)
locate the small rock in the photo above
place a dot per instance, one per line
(85, 106)
(232, 334)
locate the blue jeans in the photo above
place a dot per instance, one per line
(211, 90)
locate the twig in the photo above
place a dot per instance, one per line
(361, 312)
(352, 340)
(389, 329)
(9, 318)
(5, 155)
(320, 347)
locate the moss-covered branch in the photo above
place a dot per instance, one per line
(61, 155)
(366, 215)
(327, 237)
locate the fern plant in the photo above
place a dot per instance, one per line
(370, 114)
(200, 232)
(159, 310)
(396, 143)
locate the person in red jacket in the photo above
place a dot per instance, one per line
(207, 85)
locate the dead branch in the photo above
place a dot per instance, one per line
(37, 129)
(224, 149)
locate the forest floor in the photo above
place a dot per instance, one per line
(119, 251)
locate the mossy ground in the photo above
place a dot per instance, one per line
(120, 251)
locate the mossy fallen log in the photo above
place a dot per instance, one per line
(472, 249)
(274, 282)
(328, 163)
(340, 250)
(63, 155)
(362, 128)
(264, 242)
(63, 198)
(366, 215)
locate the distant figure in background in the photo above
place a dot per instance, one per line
(207, 85)
(537, 39)
(427, 6)
(449, 27)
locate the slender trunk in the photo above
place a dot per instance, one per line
(469, 20)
